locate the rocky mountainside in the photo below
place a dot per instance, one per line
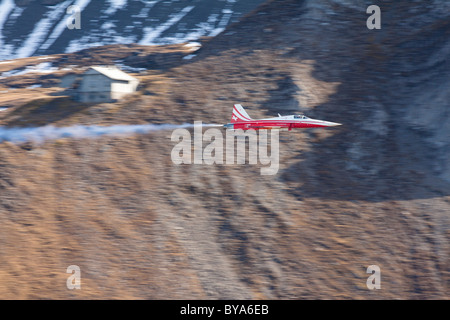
(41, 27)
(374, 191)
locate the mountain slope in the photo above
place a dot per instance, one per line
(40, 27)
(370, 192)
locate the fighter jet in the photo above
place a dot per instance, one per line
(241, 120)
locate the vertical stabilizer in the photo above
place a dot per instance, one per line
(239, 114)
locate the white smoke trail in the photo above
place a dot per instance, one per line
(49, 132)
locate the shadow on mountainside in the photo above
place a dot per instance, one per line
(377, 154)
(42, 112)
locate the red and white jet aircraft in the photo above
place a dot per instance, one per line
(241, 120)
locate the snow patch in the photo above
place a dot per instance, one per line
(193, 44)
(5, 9)
(115, 5)
(44, 67)
(152, 33)
(36, 37)
(128, 68)
(227, 13)
(107, 25)
(144, 12)
(62, 25)
(103, 30)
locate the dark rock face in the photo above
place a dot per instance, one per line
(40, 27)
(392, 81)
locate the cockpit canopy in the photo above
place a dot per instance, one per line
(300, 116)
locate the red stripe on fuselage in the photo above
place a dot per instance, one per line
(264, 124)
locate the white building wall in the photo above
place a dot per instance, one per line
(95, 83)
(97, 87)
(122, 88)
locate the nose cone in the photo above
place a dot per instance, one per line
(319, 123)
(332, 124)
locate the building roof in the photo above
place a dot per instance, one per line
(114, 73)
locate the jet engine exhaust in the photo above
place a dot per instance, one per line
(49, 132)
